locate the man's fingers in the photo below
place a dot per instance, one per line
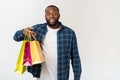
(30, 28)
(30, 34)
(33, 35)
(27, 31)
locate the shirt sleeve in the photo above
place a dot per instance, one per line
(75, 59)
(18, 36)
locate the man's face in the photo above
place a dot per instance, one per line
(52, 16)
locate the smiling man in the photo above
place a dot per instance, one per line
(52, 16)
(59, 45)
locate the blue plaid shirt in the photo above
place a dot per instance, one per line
(67, 50)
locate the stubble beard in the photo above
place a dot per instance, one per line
(52, 25)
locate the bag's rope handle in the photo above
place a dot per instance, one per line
(29, 38)
(34, 37)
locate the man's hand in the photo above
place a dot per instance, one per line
(28, 32)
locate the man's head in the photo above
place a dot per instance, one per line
(52, 15)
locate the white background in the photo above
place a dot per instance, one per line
(96, 23)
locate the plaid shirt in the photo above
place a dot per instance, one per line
(66, 50)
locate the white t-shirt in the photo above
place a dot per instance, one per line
(49, 45)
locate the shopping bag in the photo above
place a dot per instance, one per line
(19, 65)
(27, 61)
(36, 52)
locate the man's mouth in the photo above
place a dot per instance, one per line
(52, 21)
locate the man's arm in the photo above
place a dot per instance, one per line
(75, 59)
(19, 35)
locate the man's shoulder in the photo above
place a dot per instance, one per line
(66, 28)
(40, 25)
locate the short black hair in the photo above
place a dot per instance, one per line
(52, 6)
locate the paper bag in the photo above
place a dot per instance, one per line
(36, 52)
(27, 60)
(19, 65)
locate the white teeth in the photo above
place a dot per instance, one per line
(52, 20)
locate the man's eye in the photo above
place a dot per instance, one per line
(55, 13)
(47, 13)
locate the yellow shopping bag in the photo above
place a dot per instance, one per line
(19, 65)
(36, 52)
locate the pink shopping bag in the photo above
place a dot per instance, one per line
(27, 61)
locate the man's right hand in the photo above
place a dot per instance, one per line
(28, 32)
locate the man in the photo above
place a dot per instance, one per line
(59, 46)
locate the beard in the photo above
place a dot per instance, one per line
(52, 24)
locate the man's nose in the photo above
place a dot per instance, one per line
(51, 15)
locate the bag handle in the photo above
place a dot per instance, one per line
(29, 38)
(34, 37)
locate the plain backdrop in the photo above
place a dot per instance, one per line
(96, 23)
